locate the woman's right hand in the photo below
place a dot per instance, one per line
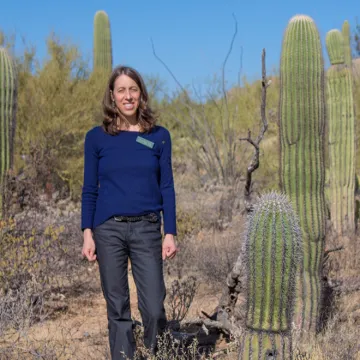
(88, 249)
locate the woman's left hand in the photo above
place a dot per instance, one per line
(169, 248)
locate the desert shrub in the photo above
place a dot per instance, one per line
(51, 123)
(25, 271)
(180, 297)
(210, 256)
(22, 306)
(215, 258)
(52, 347)
(187, 222)
(25, 255)
(169, 347)
(339, 341)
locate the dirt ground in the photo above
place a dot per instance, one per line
(80, 331)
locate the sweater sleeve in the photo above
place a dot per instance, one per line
(167, 185)
(90, 186)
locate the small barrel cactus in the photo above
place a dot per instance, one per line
(8, 96)
(102, 42)
(302, 168)
(273, 254)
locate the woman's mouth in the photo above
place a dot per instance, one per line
(129, 106)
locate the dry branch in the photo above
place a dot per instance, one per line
(254, 164)
(328, 252)
(232, 289)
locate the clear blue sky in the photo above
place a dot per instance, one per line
(192, 37)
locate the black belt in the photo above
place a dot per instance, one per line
(152, 217)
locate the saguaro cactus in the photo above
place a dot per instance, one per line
(273, 252)
(347, 43)
(341, 136)
(102, 42)
(302, 168)
(7, 116)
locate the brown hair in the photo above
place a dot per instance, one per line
(145, 114)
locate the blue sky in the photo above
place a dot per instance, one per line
(192, 37)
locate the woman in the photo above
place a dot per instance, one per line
(128, 183)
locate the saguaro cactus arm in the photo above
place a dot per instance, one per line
(341, 116)
(347, 43)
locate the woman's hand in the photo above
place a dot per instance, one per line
(169, 248)
(88, 249)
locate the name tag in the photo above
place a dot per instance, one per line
(145, 142)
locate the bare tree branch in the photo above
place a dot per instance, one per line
(225, 61)
(218, 154)
(328, 252)
(166, 67)
(254, 164)
(227, 131)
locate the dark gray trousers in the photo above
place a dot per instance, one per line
(140, 241)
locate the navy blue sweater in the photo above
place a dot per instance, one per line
(128, 174)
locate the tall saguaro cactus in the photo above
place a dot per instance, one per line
(273, 252)
(302, 168)
(347, 43)
(7, 116)
(341, 136)
(102, 42)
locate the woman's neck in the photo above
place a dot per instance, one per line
(129, 124)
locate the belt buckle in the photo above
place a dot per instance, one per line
(152, 217)
(119, 218)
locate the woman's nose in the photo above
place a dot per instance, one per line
(128, 94)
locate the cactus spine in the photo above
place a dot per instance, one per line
(302, 170)
(273, 252)
(341, 137)
(7, 117)
(347, 43)
(102, 42)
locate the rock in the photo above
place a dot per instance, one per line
(55, 195)
(57, 297)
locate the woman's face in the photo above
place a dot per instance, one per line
(126, 95)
